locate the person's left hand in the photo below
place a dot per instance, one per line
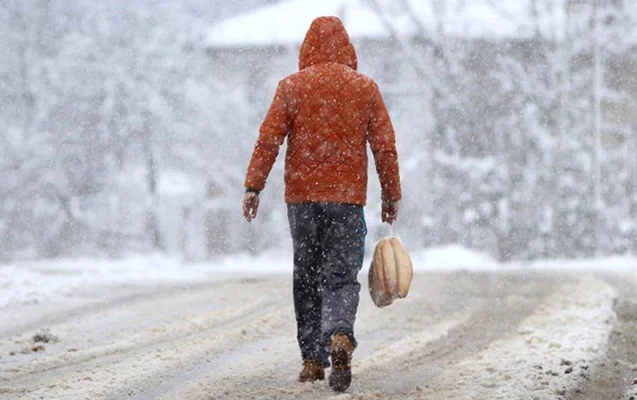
(250, 205)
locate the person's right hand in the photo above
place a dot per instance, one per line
(250, 205)
(389, 211)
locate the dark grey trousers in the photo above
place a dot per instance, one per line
(329, 245)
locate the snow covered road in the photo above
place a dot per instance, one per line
(459, 335)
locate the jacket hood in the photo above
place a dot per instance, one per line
(327, 41)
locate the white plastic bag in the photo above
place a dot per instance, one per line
(390, 272)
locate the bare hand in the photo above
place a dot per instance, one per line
(250, 205)
(389, 212)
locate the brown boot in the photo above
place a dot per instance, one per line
(341, 351)
(312, 371)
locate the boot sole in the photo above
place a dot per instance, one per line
(341, 374)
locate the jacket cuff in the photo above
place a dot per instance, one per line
(250, 190)
(386, 198)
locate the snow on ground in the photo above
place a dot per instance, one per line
(458, 335)
(35, 281)
(615, 263)
(551, 356)
(452, 257)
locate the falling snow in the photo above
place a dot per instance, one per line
(126, 131)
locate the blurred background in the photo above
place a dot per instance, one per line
(126, 126)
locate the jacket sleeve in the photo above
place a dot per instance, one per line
(382, 140)
(271, 136)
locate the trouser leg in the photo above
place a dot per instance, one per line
(307, 280)
(343, 247)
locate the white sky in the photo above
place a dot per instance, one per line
(287, 22)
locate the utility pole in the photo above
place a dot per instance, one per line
(559, 218)
(598, 121)
(598, 77)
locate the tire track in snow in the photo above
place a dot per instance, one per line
(615, 376)
(126, 373)
(142, 322)
(449, 319)
(250, 371)
(508, 304)
(547, 359)
(160, 345)
(397, 345)
(152, 336)
(283, 354)
(18, 319)
(404, 348)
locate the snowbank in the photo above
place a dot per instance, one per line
(616, 263)
(36, 281)
(452, 257)
(551, 355)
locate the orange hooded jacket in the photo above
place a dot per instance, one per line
(328, 112)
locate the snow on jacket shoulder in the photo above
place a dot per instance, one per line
(328, 112)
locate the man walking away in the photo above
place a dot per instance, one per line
(328, 112)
